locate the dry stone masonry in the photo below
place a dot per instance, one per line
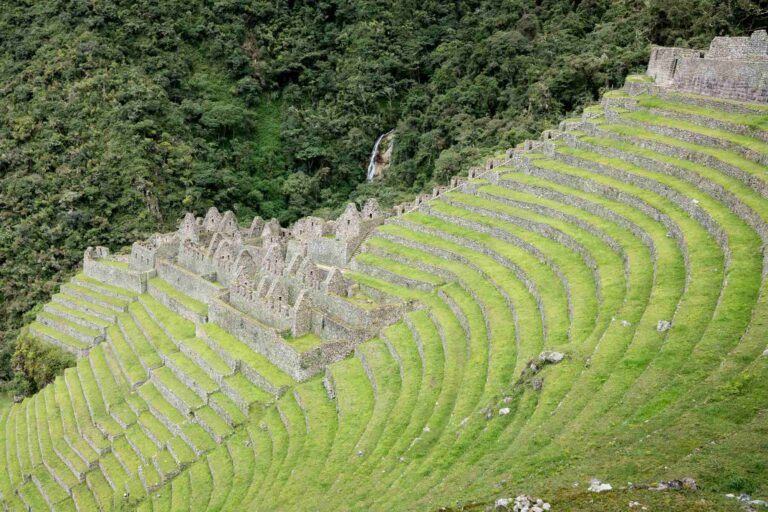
(261, 367)
(266, 284)
(732, 68)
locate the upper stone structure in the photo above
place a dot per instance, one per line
(733, 68)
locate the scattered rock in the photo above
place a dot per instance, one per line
(765, 352)
(551, 357)
(523, 503)
(507, 400)
(504, 411)
(596, 485)
(625, 323)
(427, 429)
(663, 325)
(747, 500)
(537, 384)
(690, 483)
(687, 483)
(695, 201)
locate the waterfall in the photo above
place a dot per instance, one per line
(372, 162)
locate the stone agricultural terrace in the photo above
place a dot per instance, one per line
(588, 305)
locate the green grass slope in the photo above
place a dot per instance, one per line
(587, 244)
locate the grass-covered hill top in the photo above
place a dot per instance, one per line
(116, 116)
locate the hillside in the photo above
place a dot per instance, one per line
(116, 117)
(587, 305)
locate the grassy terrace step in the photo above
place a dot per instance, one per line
(710, 274)
(636, 288)
(146, 352)
(102, 492)
(754, 121)
(153, 332)
(168, 415)
(166, 379)
(737, 140)
(69, 423)
(752, 172)
(95, 400)
(576, 282)
(144, 447)
(745, 194)
(246, 389)
(717, 103)
(104, 288)
(49, 417)
(94, 310)
(238, 351)
(85, 423)
(212, 423)
(65, 341)
(84, 319)
(61, 323)
(113, 391)
(296, 425)
(176, 326)
(417, 277)
(134, 372)
(152, 427)
(198, 308)
(99, 299)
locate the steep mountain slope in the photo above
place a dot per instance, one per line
(630, 241)
(115, 117)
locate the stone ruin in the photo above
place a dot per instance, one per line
(265, 284)
(733, 68)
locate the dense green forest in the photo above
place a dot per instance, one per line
(115, 117)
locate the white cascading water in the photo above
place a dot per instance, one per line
(372, 162)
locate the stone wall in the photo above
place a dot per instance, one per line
(732, 68)
(98, 265)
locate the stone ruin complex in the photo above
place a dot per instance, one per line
(264, 283)
(733, 68)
